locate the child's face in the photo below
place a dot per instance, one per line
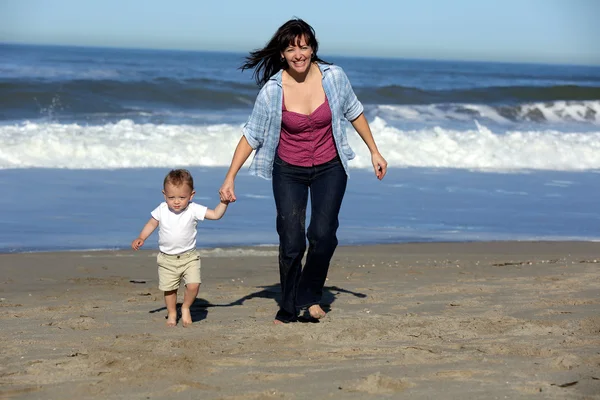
(178, 197)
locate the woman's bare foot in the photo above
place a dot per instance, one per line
(186, 317)
(172, 319)
(316, 311)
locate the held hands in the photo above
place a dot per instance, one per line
(227, 192)
(137, 243)
(379, 165)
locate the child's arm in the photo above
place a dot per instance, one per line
(146, 231)
(218, 212)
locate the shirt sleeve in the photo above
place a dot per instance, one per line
(256, 127)
(199, 211)
(352, 106)
(156, 213)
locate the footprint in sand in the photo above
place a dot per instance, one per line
(378, 384)
(82, 323)
(273, 376)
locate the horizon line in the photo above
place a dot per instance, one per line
(332, 54)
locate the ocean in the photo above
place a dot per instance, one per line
(477, 151)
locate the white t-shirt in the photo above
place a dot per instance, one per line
(177, 231)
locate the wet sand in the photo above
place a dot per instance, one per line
(497, 320)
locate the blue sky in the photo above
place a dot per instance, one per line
(555, 31)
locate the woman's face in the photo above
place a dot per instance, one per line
(298, 55)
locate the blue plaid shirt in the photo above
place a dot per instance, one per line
(263, 127)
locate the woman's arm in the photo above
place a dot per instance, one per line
(362, 127)
(241, 154)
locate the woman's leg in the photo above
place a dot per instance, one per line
(326, 194)
(290, 190)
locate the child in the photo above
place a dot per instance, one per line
(178, 258)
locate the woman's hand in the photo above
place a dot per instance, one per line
(364, 131)
(379, 165)
(227, 191)
(240, 155)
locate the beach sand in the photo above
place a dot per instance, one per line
(516, 320)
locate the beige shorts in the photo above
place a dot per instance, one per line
(173, 268)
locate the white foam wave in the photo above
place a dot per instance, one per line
(551, 112)
(119, 145)
(127, 145)
(483, 149)
(562, 111)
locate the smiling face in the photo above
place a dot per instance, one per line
(298, 55)
(178, 196)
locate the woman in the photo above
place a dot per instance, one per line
(297, 131)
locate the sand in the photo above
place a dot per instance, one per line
(499, 320)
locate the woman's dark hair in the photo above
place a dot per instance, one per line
(267, 61)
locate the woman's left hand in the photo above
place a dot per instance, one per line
(379, 165)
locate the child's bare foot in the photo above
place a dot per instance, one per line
(278, 322)
(316, 311)
(186, 316)
(172, 319)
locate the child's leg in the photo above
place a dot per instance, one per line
(191, 277)
(168, 282)
(171, 303)
(191, 291)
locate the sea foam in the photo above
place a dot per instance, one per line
(126, 144)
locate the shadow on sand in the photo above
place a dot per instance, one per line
(199, 308)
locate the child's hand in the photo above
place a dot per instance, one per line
(137, 243)
(227, 192)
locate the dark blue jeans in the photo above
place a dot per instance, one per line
(326, 183)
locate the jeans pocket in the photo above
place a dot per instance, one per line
(279, 161)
